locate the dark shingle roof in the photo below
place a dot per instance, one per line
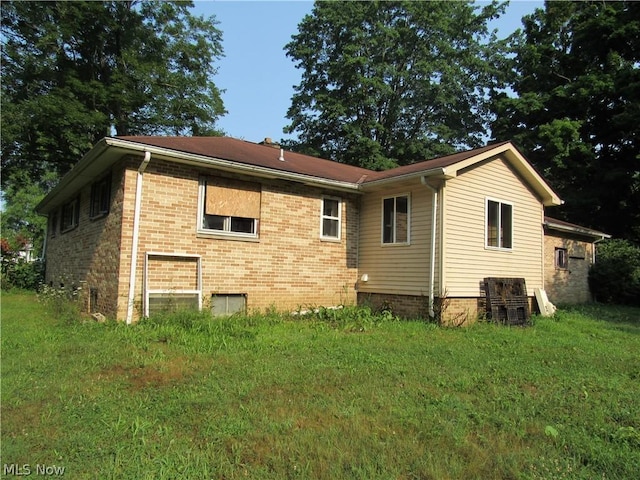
(240, 151)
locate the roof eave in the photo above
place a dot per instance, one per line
(587, 232)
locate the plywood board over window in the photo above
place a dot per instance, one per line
(232, 198)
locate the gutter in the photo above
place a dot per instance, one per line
(135, 237)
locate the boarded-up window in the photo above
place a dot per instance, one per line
(232, 198)
(230, 206)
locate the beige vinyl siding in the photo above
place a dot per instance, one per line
(399, 269)
(468, 260)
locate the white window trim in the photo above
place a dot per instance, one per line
(486, 224)
(146, 292)
(395, 244)
(205, 232)
(327, 217)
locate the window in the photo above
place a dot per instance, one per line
(228, 304)
(229, 207)
(53, 225)
(100, 198)
(499, 224)
(562, 258)
(70, 215)
(330, 219)
(395, 220)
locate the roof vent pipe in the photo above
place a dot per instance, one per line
(281, 158)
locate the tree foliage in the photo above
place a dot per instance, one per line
(74, 72)
(576, 109)
(615, 277)
(390, 83)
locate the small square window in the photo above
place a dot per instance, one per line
(562, 258)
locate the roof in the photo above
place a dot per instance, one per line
(241, 151)
(263, 160)
(566, 227)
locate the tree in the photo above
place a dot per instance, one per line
(390, 83)
(575, 112)
(74, 72)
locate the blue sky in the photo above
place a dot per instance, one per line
(257, 76)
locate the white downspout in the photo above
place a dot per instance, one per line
(134, 241)
(432, 259)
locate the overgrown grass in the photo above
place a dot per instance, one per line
(333, 395)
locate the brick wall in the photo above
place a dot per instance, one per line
(570, 285)
(87, 256)
(286, 267)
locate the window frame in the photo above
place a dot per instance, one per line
(100, 196)
(499, 235)
(74, 203)
(226, 231)
(394, 227)
(337, 219)
(559, 255)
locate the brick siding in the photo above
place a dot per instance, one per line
(287, 267)
(570, 285)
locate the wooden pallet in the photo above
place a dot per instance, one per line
(507, 300)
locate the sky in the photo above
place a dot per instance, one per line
(258, 78)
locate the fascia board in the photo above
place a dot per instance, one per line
(549, 197)
(439, 172)
(577, 230)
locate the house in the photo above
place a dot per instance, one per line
(569, 253)
(213, 222)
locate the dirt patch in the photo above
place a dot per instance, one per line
(165, 373)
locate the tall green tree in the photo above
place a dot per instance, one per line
(74, 72)
(390, 83)
(575, 110)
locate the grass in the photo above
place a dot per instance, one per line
(342, 395)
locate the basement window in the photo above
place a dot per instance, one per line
(229, 207)
(228, 304)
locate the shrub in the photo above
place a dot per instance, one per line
(18, 273)
(615, 277)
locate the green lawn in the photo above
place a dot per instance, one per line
(348, 396)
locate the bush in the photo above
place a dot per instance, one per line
(615, 277)
(18, 273)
